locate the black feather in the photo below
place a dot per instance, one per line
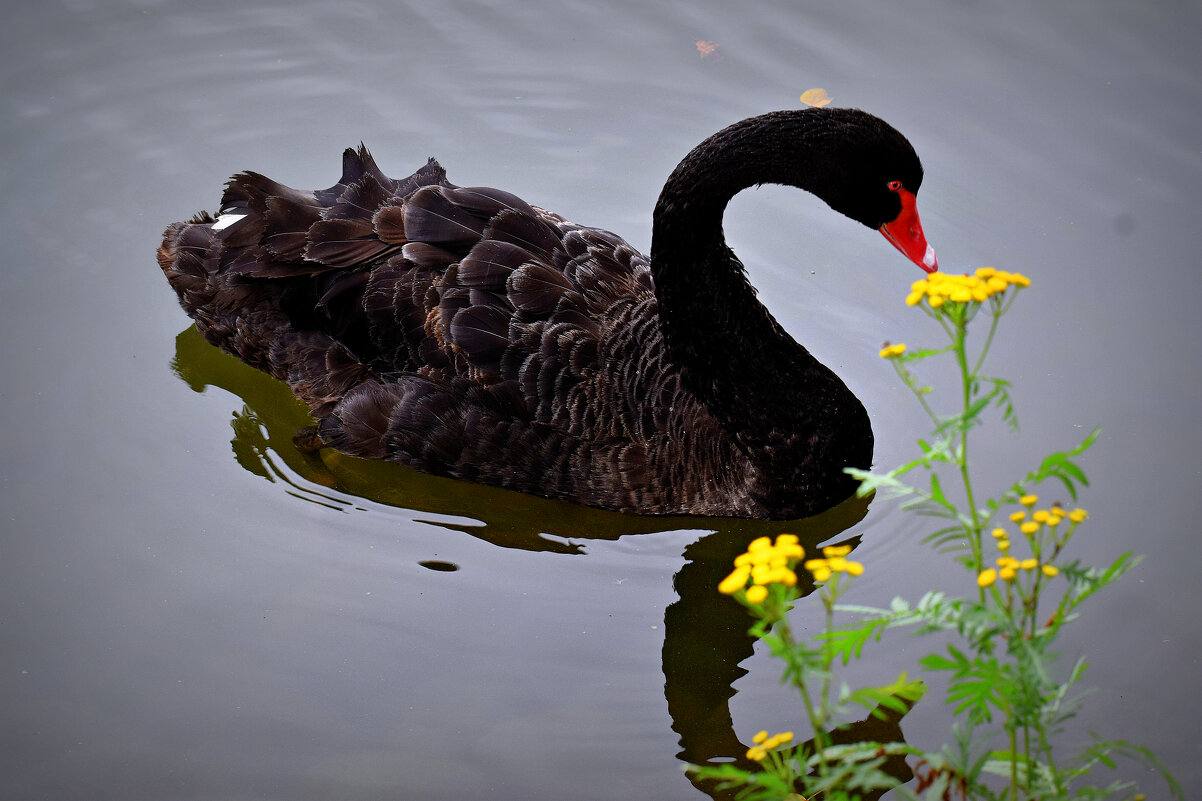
(431, 217)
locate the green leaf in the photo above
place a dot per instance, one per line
(1059, 466)
(937, 662)
(887, 484)
(849, 641)
(937, 493)
(917, 355)
(898, 696)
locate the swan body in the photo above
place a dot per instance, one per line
(467, 333)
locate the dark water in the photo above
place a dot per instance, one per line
(191, 609)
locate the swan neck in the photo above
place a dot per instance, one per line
(709, 313)
(791, 415)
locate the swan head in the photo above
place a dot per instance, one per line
(857, 163)
(865, 169)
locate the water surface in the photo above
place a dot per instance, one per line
(192, 609)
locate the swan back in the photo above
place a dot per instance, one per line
(459, 331)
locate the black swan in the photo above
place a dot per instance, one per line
(464, 332)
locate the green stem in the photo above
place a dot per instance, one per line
(908, 379)
(1035, 590)
(816, 718)
(988, 341)
(828, 656)
(1046, 747)
(1027, 755)
(1013, 765)
(960, 336)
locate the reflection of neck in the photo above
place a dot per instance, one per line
(705, 639)
(705, 632)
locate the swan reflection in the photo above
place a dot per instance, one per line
(705, 633)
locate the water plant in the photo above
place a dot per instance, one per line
(1010, 697)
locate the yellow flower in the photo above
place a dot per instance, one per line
(1029, 564)
(1077, 515)
(938, 288)
(735, 581)
(1054, 520)
(890, 351)
(773, 574)
(1050, 570)
(1029, 527)
(1003, 545)
(757, 594)
(999, 533)
(987, 577)
(1007, 573)
(764, 562)
(778, 739)
(1041, 516)
(819, 568)
(1018, 517)
(1029, 500)
(764, 744)
(835, 562)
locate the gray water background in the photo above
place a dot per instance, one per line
(175, 626)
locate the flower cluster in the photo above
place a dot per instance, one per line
(834, 562)
(1008, 568)
(764, 563)
(1044, 517)
(1040, 520)
(764, 744)
(940, 288)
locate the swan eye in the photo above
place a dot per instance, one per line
(894, 186)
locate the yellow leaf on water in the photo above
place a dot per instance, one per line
(815, 97)
(708, 49)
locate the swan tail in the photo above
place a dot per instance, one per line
(261, 276)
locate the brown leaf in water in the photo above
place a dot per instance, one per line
(708, 49)
(815, 97)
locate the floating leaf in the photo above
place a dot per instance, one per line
(811, 97)
(708, 49)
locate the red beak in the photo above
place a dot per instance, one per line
(906, 234)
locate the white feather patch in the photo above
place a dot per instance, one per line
(226, 220)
